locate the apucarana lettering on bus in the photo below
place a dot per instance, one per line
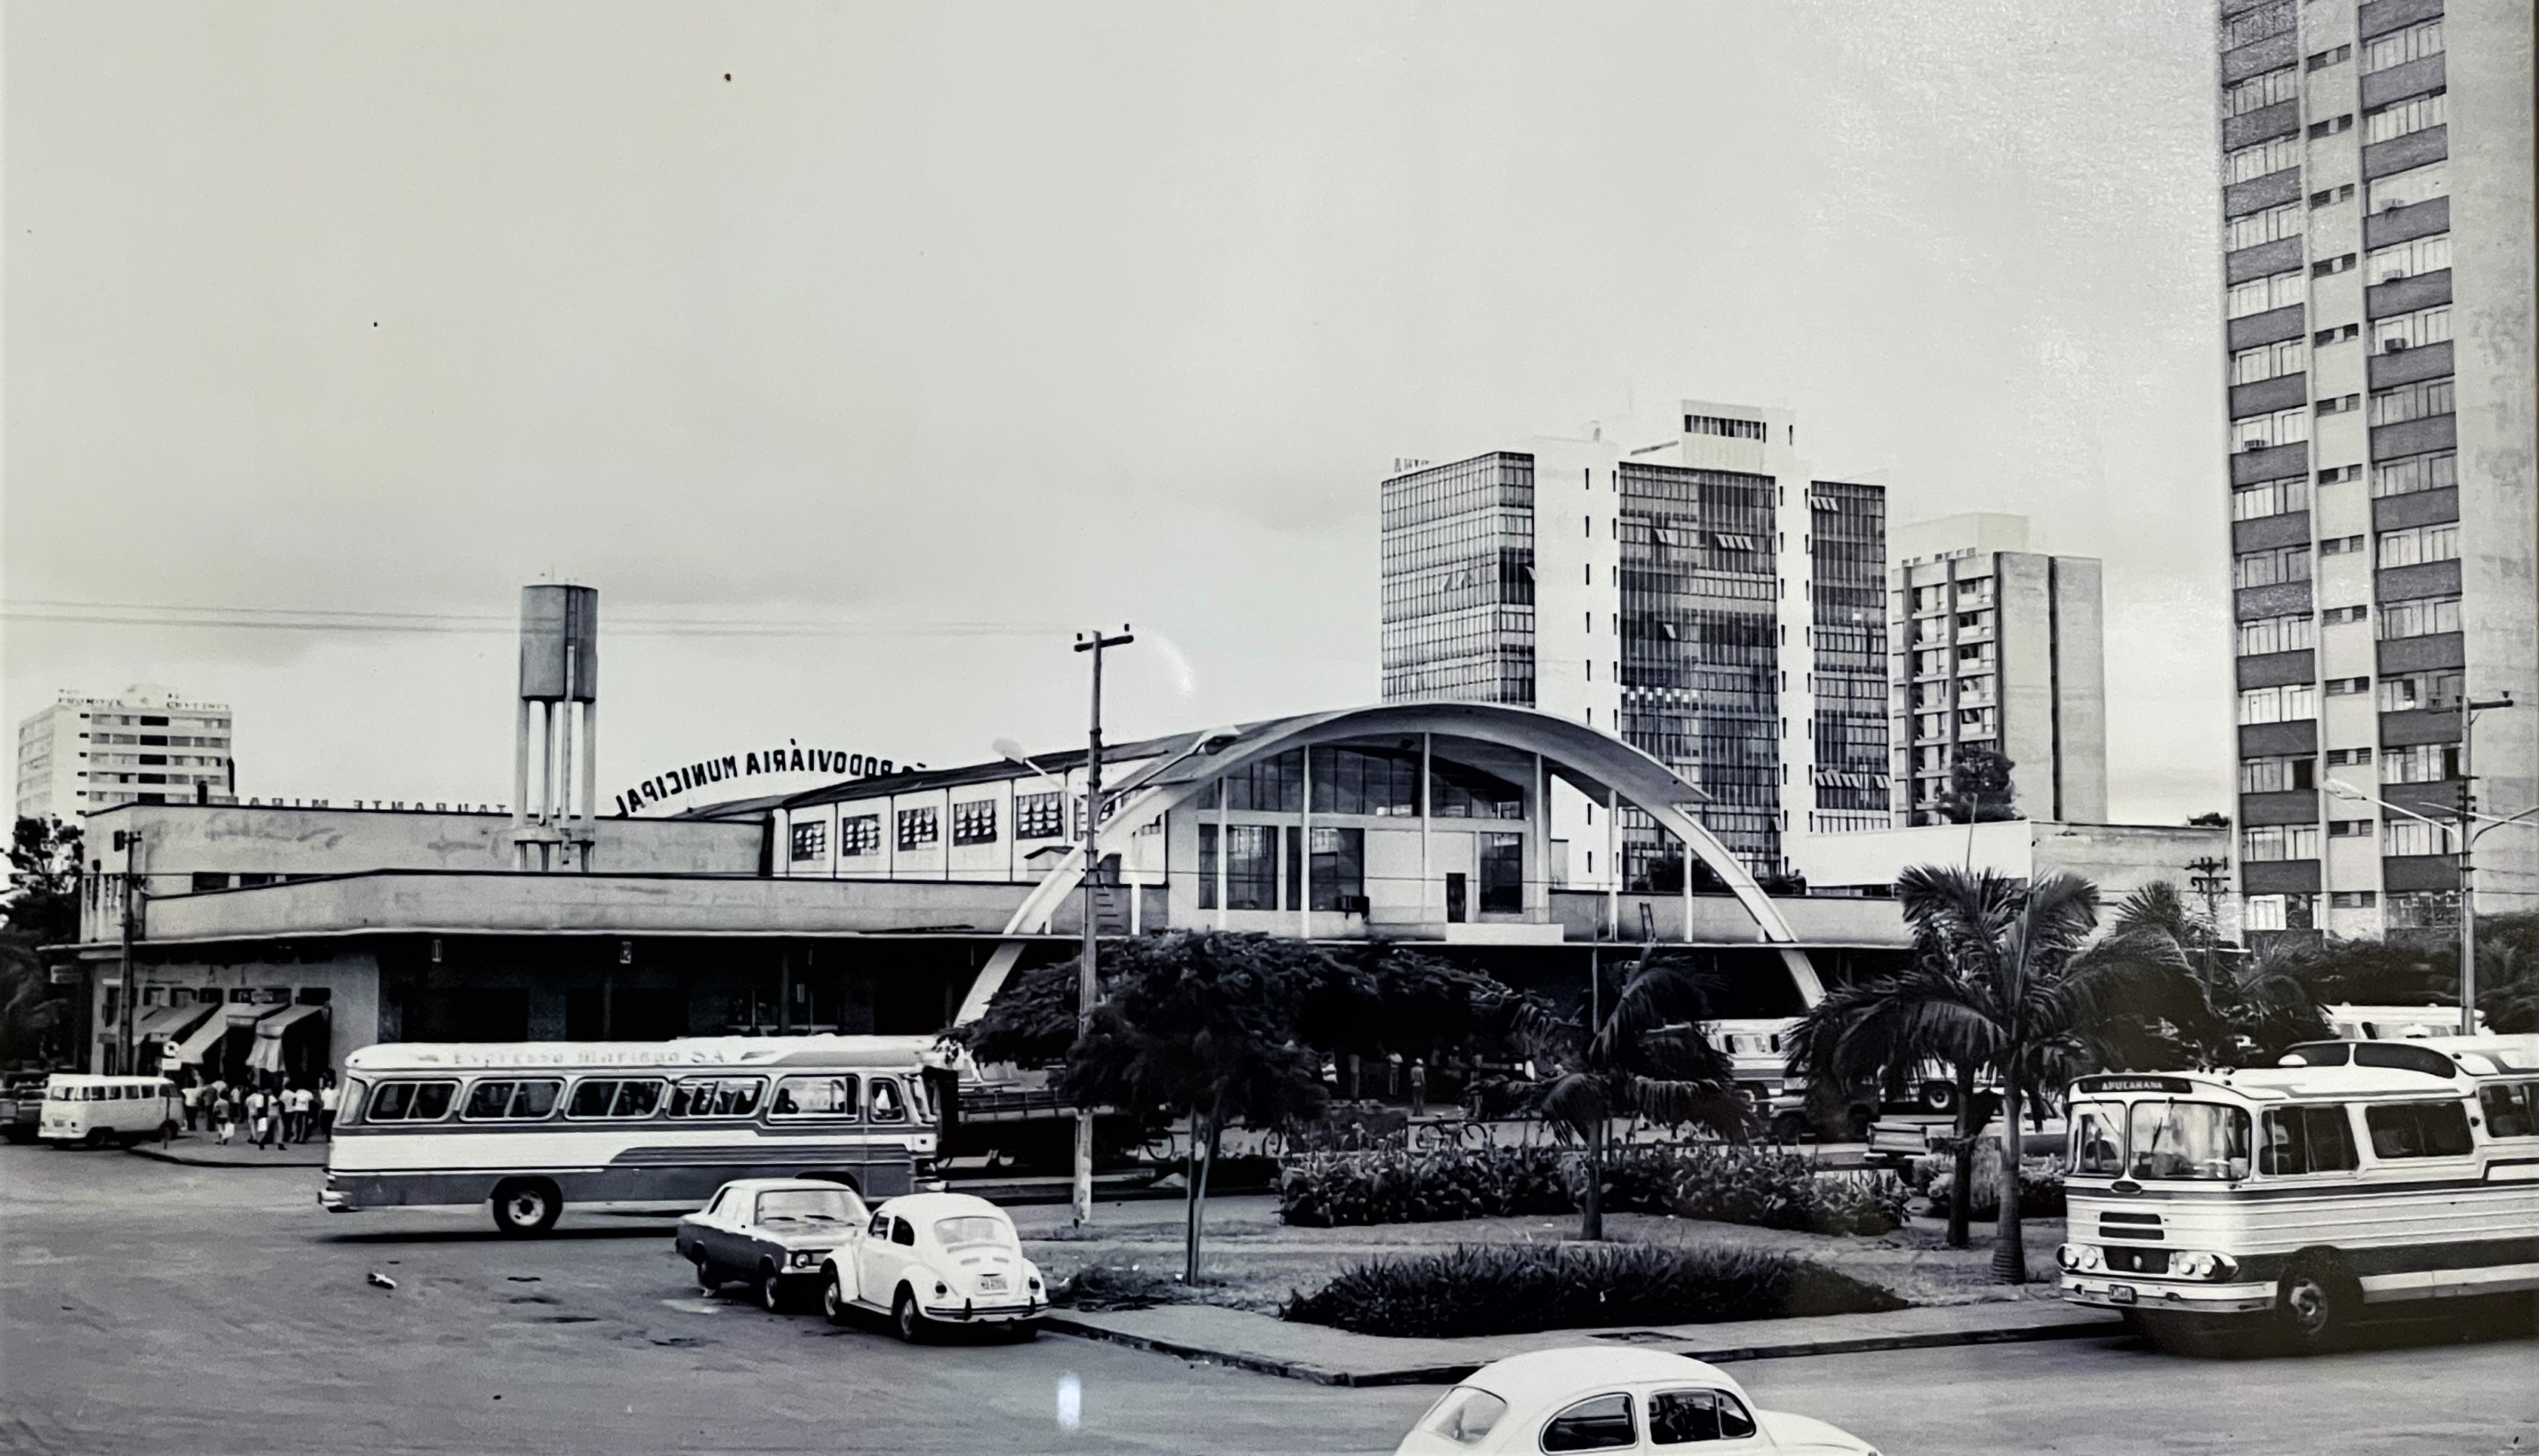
(793, 758)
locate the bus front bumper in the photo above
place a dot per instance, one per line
(2142, 1291)
(337, 1201)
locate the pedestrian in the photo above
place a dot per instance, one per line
(299, 1102)
(225, 1118)
(327, 1095)
(259, 1113)
(1418, 1087)
(193, 1099)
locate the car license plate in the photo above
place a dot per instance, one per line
(2121, 1294)
(991, 1280)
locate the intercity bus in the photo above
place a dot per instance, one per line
(2277, 1202)
(530, 1127)
(98, 1110)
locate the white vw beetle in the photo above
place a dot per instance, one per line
(935, 1258)
(1611, 1400)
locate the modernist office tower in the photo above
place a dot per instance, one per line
(1684, 583)
(2376, 200)
(1999, 646)
(144, 745)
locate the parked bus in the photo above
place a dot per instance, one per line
(2213, 1205)
(530, 1127)
(95, 1111)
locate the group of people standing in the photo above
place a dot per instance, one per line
(294, 1112)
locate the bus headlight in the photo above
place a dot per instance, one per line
(2197, 1264)
(2085, 1257)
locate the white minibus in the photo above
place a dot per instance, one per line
(533, 1126)
(2215, 1206)
(98, 1110)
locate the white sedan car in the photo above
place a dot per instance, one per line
(935, 1259)
(1612, 1399)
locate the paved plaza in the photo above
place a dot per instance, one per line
(164, 1308)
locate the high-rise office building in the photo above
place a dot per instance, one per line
(2377, 266)
(144, 746)
(1684, 583)
(2001, 647)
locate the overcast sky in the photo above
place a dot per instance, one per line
(963, 326)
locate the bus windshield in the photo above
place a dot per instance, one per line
(2188, 1141)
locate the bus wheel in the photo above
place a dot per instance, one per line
(527, 1206)
(99, 1138)
(2315, 1302)
(1938, 1097)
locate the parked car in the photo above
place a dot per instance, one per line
(935, 1259)
(774, 1232)
(1610, 1400)
(22, 1106)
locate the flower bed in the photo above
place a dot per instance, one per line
(1728, 1182)
(1516, 1289)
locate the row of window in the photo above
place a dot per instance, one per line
(834, 1096)
(1037, 816)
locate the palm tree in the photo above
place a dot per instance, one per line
(1650, 1058)
(2254, 1006)
(2006, 977)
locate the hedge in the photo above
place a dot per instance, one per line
(1517, 1288)
(1728, 1182)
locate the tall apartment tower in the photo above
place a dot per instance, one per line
(2377, 266)
(145, 744)
(1999, 646)
(1684, 583)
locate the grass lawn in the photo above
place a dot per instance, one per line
(1254, 1261)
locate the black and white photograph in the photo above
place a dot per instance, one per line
(1782, 726)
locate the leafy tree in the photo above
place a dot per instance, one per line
(1979, 788)
(1204, 1024)
(2006, 977)
(42, 909)
(1649, 1058)
(2254, 1006)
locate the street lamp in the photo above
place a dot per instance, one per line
(2209, 876)
(2466, 840)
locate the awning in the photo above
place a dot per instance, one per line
(267, 1056)
(204, 1037)
(170, 1021)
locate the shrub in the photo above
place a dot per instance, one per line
(2040, 1190)
(1730, 1182)
(1516, 1289)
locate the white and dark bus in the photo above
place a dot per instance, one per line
(2278, 1201)
(531, 1126)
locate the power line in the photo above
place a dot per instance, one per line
(313, 619)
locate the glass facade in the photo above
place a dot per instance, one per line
(1847, 626)
(1457, 565)
(1700, 647)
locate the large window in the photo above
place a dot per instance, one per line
(2280, 428)
(2277, 634)
(1366, 782)
(2417, 255)
(2398, 48)
(2412, 330)
(1271, 785)
(2417, 545)
(1040, 816)
(2419, 763)
(2407, 475)
(860, 834)
(2414, 185)
(811, 840)
(975, 822)
(2289, 703)
(2419, 1130)
(2305, 1140)
(1338, 877)
(2273, 223)
(2280, 842)
(2272, 567)
(1251, 870)
(2419, 617)
(918, 827)
(2434, 691)
(2275, 290)
(2277, 775)
(2196, 1141)
(2407, 837)
(2415, 114)
(2270, 498)
(1502, 867)
(2266, 360)
(2416, 401)
(2270, 155)
(2258, 91)
(1459, 791)
(2272, 19)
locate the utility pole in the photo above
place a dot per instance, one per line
(2209, 875)
(2467, 844)
(1087, 983)
(129, 841)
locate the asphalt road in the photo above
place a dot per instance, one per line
(147, 1308)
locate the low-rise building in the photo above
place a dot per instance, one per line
(2119, 859)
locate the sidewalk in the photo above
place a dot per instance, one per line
(1328, 1357)
(201, 1150)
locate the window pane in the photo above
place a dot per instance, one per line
(487, 1099)
(1464, 1415)
(636, 1099)
(2099, 1139)
(536, 1098)
(815, 1097)
(392, 1101)
(590, 1099)
(1603, 1424)
(886, 1103)
(2199, 1141)
(432, 1100)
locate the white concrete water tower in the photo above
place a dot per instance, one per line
(554, 779)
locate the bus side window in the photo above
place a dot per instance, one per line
(487, 1099)
(2420, 1130)
(533, 1100)
(636, 1099)
(591, 1096)
(2511, 1109)
(391, 1102)
(2307, 1139)
(883, 1102)
(432, 1100)
(815, 1097)
(2098, 1141)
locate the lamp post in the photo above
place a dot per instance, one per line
(2466, 840)
(1087, 983)
(2209, 876)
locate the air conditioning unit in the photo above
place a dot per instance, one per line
(1353, 904)
(2394, 346)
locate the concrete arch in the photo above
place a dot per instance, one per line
(1589, 760)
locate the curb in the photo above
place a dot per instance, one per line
(161, 1155)
(2074, 1328)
